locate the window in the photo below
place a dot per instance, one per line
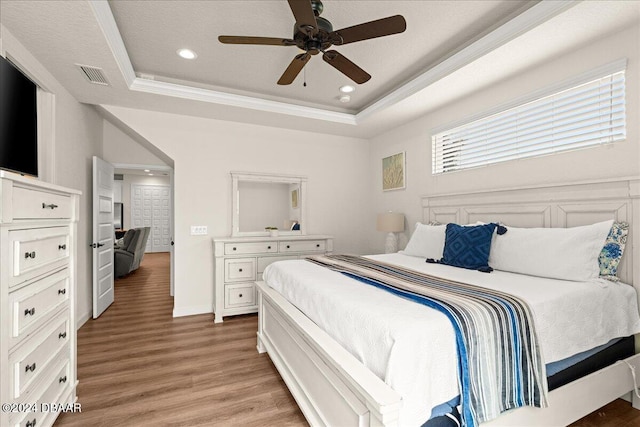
(580, 115)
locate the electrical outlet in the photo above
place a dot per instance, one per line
(199, 230)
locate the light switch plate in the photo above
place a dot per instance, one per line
(199, 230)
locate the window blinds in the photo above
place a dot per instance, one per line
(584, 115)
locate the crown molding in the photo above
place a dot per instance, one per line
(522, 23)
(164, 168)
(508, 31)
(107, 24)
(223, 98)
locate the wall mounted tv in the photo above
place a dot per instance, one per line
(18, 121)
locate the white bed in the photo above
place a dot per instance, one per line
(333, 388)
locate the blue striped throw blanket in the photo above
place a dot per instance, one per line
(500, 366)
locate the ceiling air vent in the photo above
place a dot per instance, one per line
(93, 74)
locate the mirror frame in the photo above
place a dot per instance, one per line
(237, 177)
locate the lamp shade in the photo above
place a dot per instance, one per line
(391, 222)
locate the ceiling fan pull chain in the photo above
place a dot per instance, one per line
(305, 77)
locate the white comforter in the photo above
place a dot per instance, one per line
(412, 347)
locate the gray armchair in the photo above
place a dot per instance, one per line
(145, 238)
(127, 258)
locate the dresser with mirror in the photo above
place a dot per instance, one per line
(269, 224)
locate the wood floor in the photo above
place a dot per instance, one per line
(138, 366)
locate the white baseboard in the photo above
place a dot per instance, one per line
(81, 320)
(190, 311)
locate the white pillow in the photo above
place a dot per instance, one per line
(427, 241)
(558, 253)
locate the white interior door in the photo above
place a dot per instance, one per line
(103, 235)
(161, 202)
(151, 207)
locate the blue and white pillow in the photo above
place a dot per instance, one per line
(612, 251)
(468, 246)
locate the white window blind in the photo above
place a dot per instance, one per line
(584, 115)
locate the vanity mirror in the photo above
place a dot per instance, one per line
(264, 201)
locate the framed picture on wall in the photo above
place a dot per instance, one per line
(393, 172)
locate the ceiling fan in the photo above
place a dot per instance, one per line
(314, 34)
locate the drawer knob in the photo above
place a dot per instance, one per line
(31, 423)
(62, 379)
(62, 247)
(31, 367)
(30, 311)
(240, 270)
(268, 247)
(240, 296)
(49, 206)
(31, 255)
(288, 246)
(318, 245)
(234, 249)
(62, 335)
(62, 291)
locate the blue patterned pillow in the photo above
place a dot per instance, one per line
(468, 246)
(612, 251)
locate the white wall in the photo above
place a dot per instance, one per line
(205, 151)
(121, 148)
(621, 159)
(78, 137)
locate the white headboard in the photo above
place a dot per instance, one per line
(566, 205)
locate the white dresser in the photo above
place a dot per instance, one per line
(38, 224)
(240, 261)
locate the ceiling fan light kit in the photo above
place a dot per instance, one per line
(314, 34)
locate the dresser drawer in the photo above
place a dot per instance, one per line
(250, 248)
(36, 251)
(35, 302)
(35, 204)
(52, 389)
(239, 295)
(239, 269)
(303, 246)
(31, 359)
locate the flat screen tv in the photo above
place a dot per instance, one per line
(18, 121)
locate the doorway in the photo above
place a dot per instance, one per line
(146, 193)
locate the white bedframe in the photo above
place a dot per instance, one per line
(333, 388)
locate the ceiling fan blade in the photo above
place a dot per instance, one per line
(346, 67)
(369, 30)
(294, 69)
(270, 41)
(305, 18)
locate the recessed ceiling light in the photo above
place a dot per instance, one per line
(147, 170)
(150, 174)
(345, 98)
(347, 89)
(187, 53)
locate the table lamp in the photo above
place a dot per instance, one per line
(391, 223)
